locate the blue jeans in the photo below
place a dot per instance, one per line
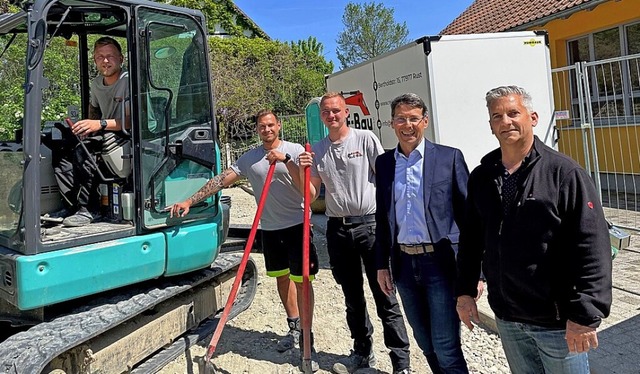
(535, 349)
(426, 286)
(350, 248)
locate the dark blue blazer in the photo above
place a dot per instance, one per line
(445, 177)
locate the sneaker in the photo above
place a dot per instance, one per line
(82, 218)
(403, 371)
(353, 362)
(314, 360)
(289, 341)
(292, 338)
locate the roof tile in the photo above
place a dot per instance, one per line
(500, 15)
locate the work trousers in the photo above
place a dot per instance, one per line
(350, 246)
(75, 173)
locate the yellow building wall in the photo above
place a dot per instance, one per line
(617, 147)
(602, 17)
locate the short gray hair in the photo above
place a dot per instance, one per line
(410, 99)
(504, 91)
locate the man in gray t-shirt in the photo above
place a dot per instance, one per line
(281, 221)
(74, 173)
(344, 161)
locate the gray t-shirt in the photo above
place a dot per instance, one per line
(108, 98)
(347, 171)
(284, 206)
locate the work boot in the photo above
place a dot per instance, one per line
(314, 355)
(82, 218)
(353, 362)
(293, 336)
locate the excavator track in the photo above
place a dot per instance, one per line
(165, 356)
(49, 345)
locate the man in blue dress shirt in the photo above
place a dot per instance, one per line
(421, 191)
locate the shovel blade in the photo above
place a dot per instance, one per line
(306, 366)
(204, 366)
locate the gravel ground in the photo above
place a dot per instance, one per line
(248, 341)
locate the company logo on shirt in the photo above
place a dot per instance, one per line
(354, 154)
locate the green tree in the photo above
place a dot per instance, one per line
(250, 74)
(221, 13)
(60, 68)
(311, 52)
(369, 30)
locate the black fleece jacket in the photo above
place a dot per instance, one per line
(548, 259)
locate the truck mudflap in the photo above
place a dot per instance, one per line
(120, 330)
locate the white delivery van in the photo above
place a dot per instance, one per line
(452, 74)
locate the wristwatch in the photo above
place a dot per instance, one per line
(287, 157)
(103, 124)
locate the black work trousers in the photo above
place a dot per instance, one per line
(350, 246)
(75, 173)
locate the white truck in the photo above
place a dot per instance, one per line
(452, 74)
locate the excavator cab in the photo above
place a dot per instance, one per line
(167, 151)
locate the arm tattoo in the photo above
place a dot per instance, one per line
(214, 185)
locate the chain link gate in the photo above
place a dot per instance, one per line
(597, 113)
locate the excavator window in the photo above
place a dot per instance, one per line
(179, 94)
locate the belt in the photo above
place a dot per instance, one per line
(355, 220)
(416, 249)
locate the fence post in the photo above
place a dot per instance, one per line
(591, 130)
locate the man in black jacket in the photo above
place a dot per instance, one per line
(536, 225)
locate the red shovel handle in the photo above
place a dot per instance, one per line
(243, 265)
(306, 225)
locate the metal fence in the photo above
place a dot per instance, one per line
(294, 130)
(597, 112)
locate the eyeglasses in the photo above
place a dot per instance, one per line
(403, 120)
(108, 57)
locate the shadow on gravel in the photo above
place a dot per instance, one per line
(261, 346)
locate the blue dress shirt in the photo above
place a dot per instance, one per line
(409, 197)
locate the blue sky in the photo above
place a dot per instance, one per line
(295, 20)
